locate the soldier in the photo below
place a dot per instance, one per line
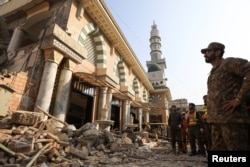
(228, 86)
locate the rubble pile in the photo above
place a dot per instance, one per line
(27, 140)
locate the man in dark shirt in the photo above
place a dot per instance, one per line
(228, 85)
(174, 122)
(194, 130)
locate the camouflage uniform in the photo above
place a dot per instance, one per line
(230, 80)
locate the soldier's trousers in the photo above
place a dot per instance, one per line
(229, 137)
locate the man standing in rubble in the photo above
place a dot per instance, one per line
(194, 130)
(175, 121)
(228, 86)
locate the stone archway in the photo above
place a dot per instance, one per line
(99, 43)
(136, 87)
(122, 73)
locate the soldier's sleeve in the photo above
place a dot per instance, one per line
(241, 68)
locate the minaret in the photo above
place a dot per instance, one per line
(159, 97)
(157, 65)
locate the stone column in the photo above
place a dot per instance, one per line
(103, 111)
(140, 119)
(147, 117)
(126, 113)
(52, 60)
(108, 102)
(15, 42)
(95, 105)
(63, 92)
(102, 106)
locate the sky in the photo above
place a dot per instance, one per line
(185, 27)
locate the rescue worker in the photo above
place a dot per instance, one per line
(184, 127)
(194, 130)
(174, 122)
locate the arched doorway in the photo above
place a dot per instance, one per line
(81, 103)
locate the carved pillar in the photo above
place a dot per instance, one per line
(147, 117)
(52, 60)
(103, 110)
(102, 106)
(126, 113)
(140, 118)
(15, 42)
(63, 92)
(108, 102)
(95, 105)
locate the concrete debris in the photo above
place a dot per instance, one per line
(27, 140)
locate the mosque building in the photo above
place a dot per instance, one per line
(69, 58)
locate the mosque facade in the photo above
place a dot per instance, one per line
(69, 58)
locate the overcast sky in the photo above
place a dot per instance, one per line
(185, 26)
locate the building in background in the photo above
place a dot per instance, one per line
(181, 104)
(160, 96)
(69, 58)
